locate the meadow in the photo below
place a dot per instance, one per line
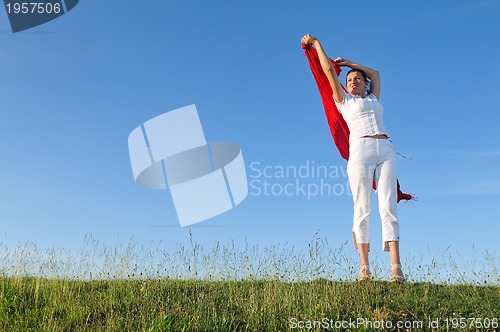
(239, 288)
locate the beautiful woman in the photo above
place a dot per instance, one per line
(371, 157)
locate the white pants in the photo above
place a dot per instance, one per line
(373, 159)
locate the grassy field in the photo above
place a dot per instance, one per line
(38, 304)
(240, 288)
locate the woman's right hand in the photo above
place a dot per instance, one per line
(308, 39)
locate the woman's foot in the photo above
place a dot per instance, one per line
(364, 273)
(397, 274)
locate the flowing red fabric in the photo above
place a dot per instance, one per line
(337, 124)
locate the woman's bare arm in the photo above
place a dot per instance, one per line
(326, 65)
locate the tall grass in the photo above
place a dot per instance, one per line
(230, 287)
(231, 261)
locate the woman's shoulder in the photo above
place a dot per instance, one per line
(371, 97)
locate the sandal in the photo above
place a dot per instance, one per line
(398, 278)
(364, 273)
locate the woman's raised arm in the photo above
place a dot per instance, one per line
(338, 92)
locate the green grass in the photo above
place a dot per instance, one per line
(240, 288)
(38, 304)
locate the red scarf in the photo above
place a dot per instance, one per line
(338, 126)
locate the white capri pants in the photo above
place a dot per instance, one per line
(373, 159)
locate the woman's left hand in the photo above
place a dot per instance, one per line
(342, 62)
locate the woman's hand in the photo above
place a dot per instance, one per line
(308, 39)
(342, 62)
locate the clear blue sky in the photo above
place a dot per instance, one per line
(73, 89)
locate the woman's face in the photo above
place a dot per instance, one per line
(356, 84)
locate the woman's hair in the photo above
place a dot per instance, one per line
(355, 70)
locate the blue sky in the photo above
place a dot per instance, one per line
(73, 89)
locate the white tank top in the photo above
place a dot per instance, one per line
(362, 115)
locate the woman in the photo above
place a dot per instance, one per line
(371, 157)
